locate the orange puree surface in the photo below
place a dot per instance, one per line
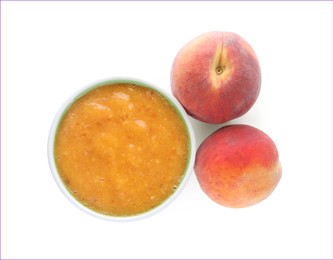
(121, 149)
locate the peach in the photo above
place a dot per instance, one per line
(238, 166)
(216, 77)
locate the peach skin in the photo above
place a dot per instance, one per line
(238, 166)
(216, 77)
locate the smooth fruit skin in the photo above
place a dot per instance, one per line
(216, 77)
(238, 166)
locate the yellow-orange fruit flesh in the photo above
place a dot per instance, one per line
(121, 149)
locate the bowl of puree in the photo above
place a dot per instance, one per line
(121, 149)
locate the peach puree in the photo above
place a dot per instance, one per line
(121, 149)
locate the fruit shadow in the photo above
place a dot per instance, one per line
(203, 130)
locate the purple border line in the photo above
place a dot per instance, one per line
(166, 0)
(107, 1)
(0, 135)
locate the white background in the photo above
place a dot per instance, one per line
(49, 50)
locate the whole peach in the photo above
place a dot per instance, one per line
(238, 166)
(216, 77)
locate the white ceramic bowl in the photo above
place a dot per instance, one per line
(85, 90)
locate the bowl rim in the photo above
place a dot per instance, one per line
(109, 81)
